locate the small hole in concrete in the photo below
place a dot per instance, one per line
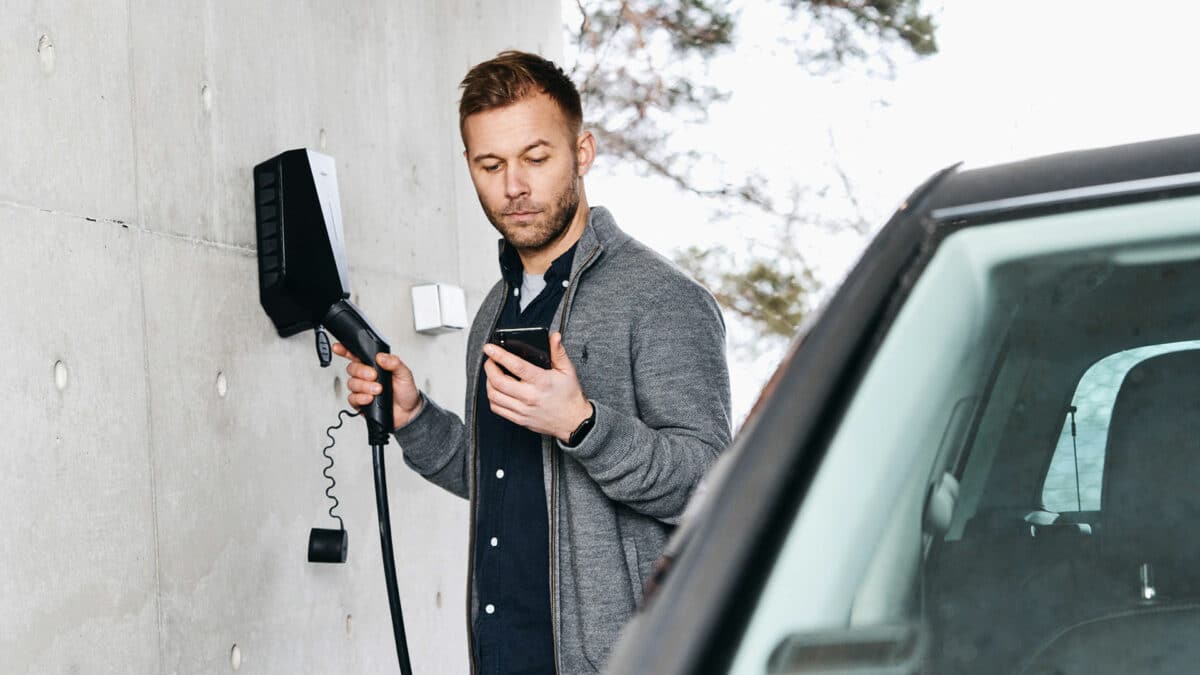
(235, 657)
(427, 386)
(337, 386)
(222, 385)
(322, 139)
(349, 623)
(437, 599)
(60, 375)
(206, 97)
(45, 50)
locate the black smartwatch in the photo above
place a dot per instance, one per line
(582, 430)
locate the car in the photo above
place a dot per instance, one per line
(982, 456)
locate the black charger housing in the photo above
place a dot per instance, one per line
(301, 259)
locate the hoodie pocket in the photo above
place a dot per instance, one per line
(604, 646)
(633, 565)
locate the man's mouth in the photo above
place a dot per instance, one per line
(521, 214)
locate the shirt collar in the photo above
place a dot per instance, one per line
(513, 270)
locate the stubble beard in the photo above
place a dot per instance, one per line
(544, 231)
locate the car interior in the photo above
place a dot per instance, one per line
(1022, 588)
(1014, 514)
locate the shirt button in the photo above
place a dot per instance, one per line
(517, 292)
(490, 609)
(495, 542)
(499, 473)
(566, 283)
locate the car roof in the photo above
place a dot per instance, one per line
(1067, 179)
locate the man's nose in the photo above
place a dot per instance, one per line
(515, 184)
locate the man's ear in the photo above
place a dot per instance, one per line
(585, 151)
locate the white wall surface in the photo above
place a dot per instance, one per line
(150, 523)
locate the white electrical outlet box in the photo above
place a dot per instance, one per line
(439, 308)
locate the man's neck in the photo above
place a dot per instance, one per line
(537, 262)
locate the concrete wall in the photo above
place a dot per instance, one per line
(152, 519)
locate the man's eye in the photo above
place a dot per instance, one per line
(491, 168)
(536, 160)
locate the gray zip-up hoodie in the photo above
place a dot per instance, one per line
(648, 344)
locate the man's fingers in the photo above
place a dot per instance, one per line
(516, 365)
(505, 406)
(493, 372)
(509, 415)
(394, 365)
(361, 371)
(501, 399)
(340, 350)
(503, 382)
(359, 400)
(362, 386)
(389, 362)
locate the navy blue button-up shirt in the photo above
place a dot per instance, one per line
(513, 631)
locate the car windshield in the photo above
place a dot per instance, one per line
(1018, 472)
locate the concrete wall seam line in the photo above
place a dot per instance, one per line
(134, 227)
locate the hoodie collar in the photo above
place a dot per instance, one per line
(600, 233)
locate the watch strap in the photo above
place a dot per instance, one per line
(582, 430)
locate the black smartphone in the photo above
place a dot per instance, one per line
(531, 344)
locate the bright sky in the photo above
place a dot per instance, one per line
(1012, 79)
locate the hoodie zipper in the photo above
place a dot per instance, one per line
(562, 326)
(475, 498)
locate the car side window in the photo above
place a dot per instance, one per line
(1075, 478)
(916, 519)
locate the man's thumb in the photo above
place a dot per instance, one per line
(389, 362)
(558, 353)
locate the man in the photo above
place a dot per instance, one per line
(576, 473)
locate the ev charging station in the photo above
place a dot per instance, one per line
(303, 285)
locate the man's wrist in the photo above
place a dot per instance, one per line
(577, 433)
(407, 416)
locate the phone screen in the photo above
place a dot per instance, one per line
(531, 344)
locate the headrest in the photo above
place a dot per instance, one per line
(1152, 461)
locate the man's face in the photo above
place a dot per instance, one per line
(525, 168)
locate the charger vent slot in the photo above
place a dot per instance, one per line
(267, 193)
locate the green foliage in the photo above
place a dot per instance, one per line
(877, 21)
(640, 68)
(761, 290)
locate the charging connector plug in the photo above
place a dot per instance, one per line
(351, 328)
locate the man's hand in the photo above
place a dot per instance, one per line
(545, 401)
(406, 398)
